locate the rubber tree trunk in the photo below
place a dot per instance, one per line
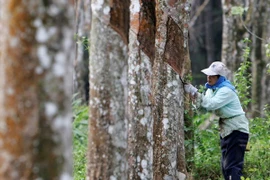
(157, 38)
(35, 97)
(171, 47)
(108, 94)
(140, 119)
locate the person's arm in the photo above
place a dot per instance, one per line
(221, 98)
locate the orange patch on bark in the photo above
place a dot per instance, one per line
(171, 2)
(135, 23)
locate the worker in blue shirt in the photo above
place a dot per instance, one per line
(222, 99)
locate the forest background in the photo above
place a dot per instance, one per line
(117, 68)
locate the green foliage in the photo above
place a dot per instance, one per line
(267, 47)
(238, 10)
(80, 129)
(267, 51)
(258, 158)
(188, 78)
(83, 40)
(242, 77)
(207, 150)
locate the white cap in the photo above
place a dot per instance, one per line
(216, 68)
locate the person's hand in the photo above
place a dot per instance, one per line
(189, 88)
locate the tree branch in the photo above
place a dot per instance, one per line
(198, 13)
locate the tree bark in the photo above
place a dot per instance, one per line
(140, 120)
(171, 47)
(258, 56)
(265, 81)
(157, 38)
(233, 34)
(35, 96)
(108, 84)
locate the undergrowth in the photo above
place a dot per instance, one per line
(80, 127)
(207, 150)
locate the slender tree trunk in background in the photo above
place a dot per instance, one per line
(258, 9)
(258, 57)
(265, 81)
(35, 97)
(205, 30)
(209, 33)
(140, 124)
(107, 123)
(233, 34)
(196, 41)
(81, 63)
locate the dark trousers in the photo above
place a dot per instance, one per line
(233, 149)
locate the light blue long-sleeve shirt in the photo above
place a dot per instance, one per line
(225, 103)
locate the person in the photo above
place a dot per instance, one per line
(221, 98)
